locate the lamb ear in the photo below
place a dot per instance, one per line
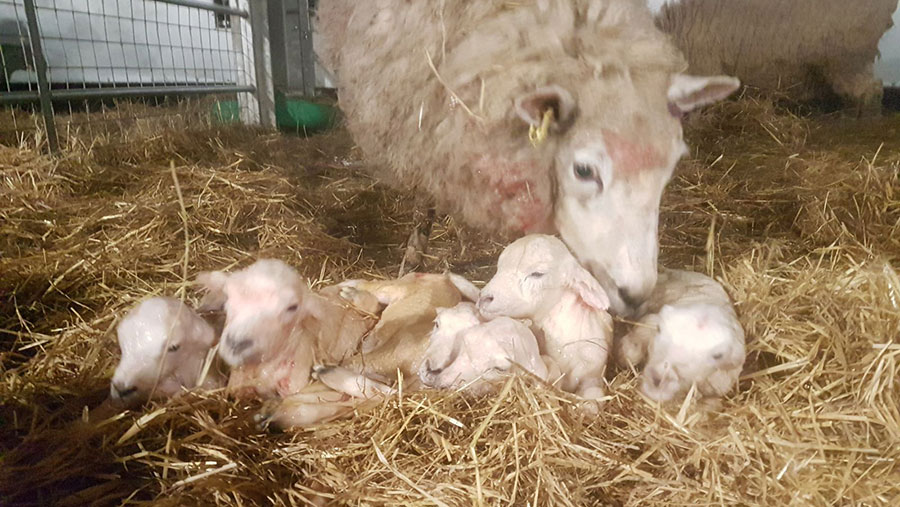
(312, 305)
(530, 107)
(214, 284)
(687, 93)
(588, 288)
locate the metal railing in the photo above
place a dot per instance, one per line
(65, 56)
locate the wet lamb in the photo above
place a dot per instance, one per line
(539, 279)
(164, 346)
(466, 351)
(406, 309)
(276, 328)
(688, 334)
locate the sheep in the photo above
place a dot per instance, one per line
(465, 351)
(399, 340)
(396, 344)
(519, 117)
(276, 328)
(796, 46)
(539, 279)
(688, 334)
(164, 346)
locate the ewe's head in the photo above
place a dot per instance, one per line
(463, 349)
(263, 303)
(694, 341)
(620, 138)
(532, 274)
(164, 344)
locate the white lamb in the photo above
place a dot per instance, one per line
(164, 346)
(276, 327)
(689, 334)
(539, 279)
(465, 351)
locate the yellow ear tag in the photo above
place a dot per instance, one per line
(537, 134)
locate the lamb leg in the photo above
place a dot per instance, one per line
(417, 244)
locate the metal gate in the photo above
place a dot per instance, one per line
(69, 54)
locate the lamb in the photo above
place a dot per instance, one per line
(396, 344)
(689, 334)
(164, 346)
(520, 117)
(796, 46)
(539, 279)
(276, 328)
(465, 351)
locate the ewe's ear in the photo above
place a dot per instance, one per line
(214, 284)
(588, 288)
(530, 107)
(687, 93)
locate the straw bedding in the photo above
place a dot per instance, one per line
(799, 217)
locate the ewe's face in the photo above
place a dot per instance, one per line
(528, 274)
(160, 348)
(620, 138)
(691, 346)
(611, 173)
(260, 314)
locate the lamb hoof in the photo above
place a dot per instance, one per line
(593, 401)
(348, 292)
(319, 370)
(415, 252)
(417, 244)
(265, 418)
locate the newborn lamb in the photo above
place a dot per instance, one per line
(539, 279)
(689, 334)
(463, 350)
(276, 328)
(406, 309)
(164, 346)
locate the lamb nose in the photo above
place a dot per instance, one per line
(628, 298)
(483, 301)
(123, 391)
(237, 346)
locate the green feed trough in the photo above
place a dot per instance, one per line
(291, 114)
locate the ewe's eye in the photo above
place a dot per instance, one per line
(292, 308)
(583, 171)
(536, 275)
(174, 348)
(718, 355)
